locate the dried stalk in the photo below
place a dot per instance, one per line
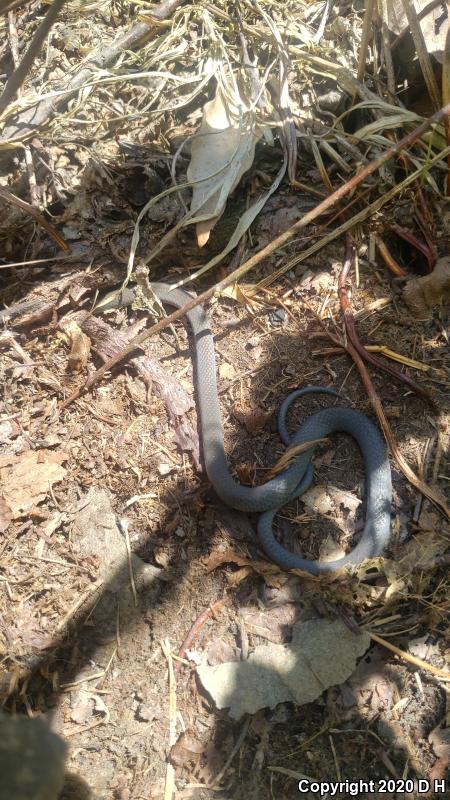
(238, 273)
(17, 78)
(16, 201)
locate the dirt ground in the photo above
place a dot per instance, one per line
(113, 543)
(98, 670)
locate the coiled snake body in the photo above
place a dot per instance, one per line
(274, 494)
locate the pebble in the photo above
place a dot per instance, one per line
(277, 317)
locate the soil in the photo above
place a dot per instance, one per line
(103, 684)
(111, 494)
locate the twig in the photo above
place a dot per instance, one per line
(67, 617)
(281, 240)
(422, 51)
(350, 348)
(390, 74)
(402, 463)
(17, 78)
(13, 38)
(196, 626)
(16, 201)
(123, 525)
(170, 771)
(165, 9)
(236, 748)
(440, 673)
(358, 352)
(6, 7)
(388, 258)
(27, 122)
(354, 338)
(366, 34)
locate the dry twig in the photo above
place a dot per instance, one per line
(238, 273)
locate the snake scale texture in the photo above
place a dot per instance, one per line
(271, 496)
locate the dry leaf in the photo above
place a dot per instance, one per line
(322, 653)
(26, 479)
(253, 417)
(80, 345)
(290, 455)
(242, 293)
(271, 573)
(185, 750)
(222, 152)
(422, 294)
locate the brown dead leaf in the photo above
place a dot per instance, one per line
(253, 417)
(26, 479)
(80, 345)
(242, 293)
(422, 294)
(322, 653)
(187, 749)
(270, 572)
(245, 474)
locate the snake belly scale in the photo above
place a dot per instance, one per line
(268, 498)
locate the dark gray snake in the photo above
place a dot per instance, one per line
(274, 494)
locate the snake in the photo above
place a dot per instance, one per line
(268, 498)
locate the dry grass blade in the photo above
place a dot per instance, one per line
(366, 34)
(17, 78)
(358, 354)
(367, 212)
(426, 490)
(418, 662)
(390, 74)
(238, 273)
(446, 95)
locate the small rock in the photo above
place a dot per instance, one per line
(277, 317)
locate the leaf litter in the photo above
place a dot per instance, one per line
(305, 59)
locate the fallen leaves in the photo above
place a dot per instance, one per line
(322, 653)
(26, 479)
(422, 294)
(252, 416)
(80, 345)
(222, 151)
(271, 573)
